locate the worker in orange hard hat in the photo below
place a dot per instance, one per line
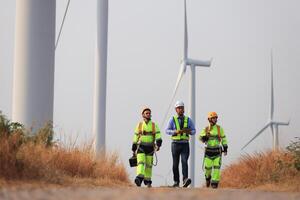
(215, 140)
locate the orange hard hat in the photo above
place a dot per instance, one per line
(211, 115)
(145, 108)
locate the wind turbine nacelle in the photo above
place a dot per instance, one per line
(201, 63)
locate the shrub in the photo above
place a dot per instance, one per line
(25, 156)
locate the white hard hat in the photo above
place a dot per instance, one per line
(179, 103)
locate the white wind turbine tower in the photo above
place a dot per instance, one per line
(99, 118)
(33, 74)
(271, 123)
(186, 61)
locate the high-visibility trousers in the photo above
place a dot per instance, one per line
(212, 168)
(144, 166)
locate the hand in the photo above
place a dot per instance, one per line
(179, 132)
(225, 153)
(187, 131)
(204, 138)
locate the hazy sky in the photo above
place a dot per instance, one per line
(144, 51)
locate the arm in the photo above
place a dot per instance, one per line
(170, 130)
(203, 137)
(224, 141)
(135, 139)
(158, 139)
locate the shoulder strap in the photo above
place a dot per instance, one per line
(140, 130)
(219, 133)
(153, 132)
(153, 128)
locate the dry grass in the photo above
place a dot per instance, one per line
(269, 171)
(32, 161)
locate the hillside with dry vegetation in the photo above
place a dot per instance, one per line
(272, 170)
(27, 157)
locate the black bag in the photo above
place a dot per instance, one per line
(133, 161)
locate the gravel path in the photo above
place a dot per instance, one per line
(131, 193)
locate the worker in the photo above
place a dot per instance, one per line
(180, 127)
(216, 143)
(147, 140)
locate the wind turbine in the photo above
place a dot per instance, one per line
(192, 63)
(271, 123)
(99, 117)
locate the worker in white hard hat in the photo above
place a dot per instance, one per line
(180, 127)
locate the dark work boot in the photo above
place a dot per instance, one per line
(148, 183)
(186, 182)
(208, 181)
(214, 185)
(138, 181)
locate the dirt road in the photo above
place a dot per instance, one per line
(132, 193)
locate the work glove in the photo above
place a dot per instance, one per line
(134, 147)
(204, 138)
(225, 150)
(158, 142)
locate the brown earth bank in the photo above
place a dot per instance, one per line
(132, 193)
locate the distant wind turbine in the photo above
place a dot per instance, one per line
(186, 61)
(271, 123)
(99, 117)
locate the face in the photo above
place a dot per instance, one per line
(213, 120)
(180, 110)
(147, 114)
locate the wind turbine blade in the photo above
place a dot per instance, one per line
(202, 63)
(257, 134)
(180, 75)
(283, 123)
(185, 34)
(272, 90)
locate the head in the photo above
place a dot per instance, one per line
(212, 118)
(146, 114)
(179, 108)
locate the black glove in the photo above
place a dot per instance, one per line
(158, 142)
(225, 149)
(204, 138)
(134, 147)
